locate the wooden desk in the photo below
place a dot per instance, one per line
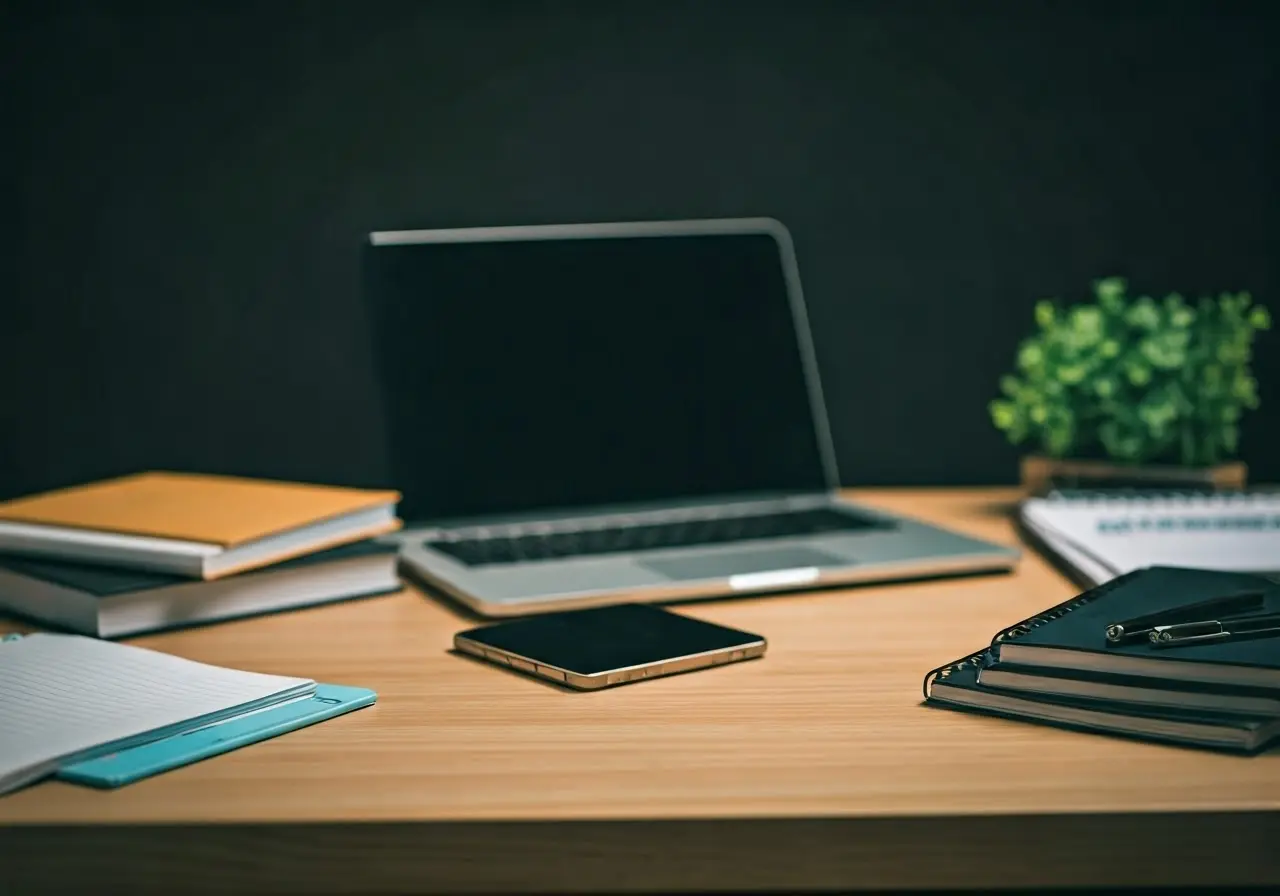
(815, 767)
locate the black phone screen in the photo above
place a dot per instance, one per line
(601, 639)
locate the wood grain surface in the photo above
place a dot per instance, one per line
(814, 767)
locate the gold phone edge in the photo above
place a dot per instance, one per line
(612, 678)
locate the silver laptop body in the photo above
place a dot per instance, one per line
(589, 414)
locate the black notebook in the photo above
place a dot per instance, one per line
(1071, 636)
(1142, 690)
(110, 602)
(956, 686)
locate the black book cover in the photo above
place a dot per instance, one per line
(1188, 727)
(1080, 623)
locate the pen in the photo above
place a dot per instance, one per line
(1138, 628)
(1263, 625)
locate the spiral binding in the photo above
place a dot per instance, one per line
(1166, 498)
(983, 657)
(1057, 612)
(977, 660)
(1145, 512)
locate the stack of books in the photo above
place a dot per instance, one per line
(1098, 535)
(161, 550)
(1173, 654)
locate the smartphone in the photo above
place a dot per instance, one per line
(605, 646)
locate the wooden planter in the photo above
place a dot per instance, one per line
(1041, 475)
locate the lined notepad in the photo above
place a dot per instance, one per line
(1102, 536)
(66, 698)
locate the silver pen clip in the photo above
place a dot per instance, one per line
(1187, 633)
(1262, 625)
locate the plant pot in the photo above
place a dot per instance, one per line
(1040, 475)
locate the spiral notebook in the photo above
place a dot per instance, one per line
(958, 685)
(1195, 695)
(1101, 535)
(1071, 635)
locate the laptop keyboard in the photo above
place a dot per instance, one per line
(531, 547)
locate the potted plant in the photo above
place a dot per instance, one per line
(1127, 391)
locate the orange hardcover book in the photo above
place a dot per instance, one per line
(197, 525)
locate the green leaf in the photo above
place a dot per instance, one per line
(1230, 354)
(1245, 390)
(1259, 318)
(1230, 438)
(1166, 350)
(1139, 374)
(1157, 413)
(1109, 433)
(1143, 314)
(1183, 400)
(1044, 314)
(1129, 448)
(1086, 321)
(1072, 374)
(1058, 441)
(1110, 292)
(1003, 414)
(1030, 356)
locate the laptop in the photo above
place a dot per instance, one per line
(587, 414)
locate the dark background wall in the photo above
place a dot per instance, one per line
(184, 187)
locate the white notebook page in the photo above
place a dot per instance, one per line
(1238, 533)
(1090, 569)
(64, 696)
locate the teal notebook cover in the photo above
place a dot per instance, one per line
(145, 760)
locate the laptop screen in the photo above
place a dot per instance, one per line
(529, 374)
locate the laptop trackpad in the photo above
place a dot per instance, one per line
(792, 564)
